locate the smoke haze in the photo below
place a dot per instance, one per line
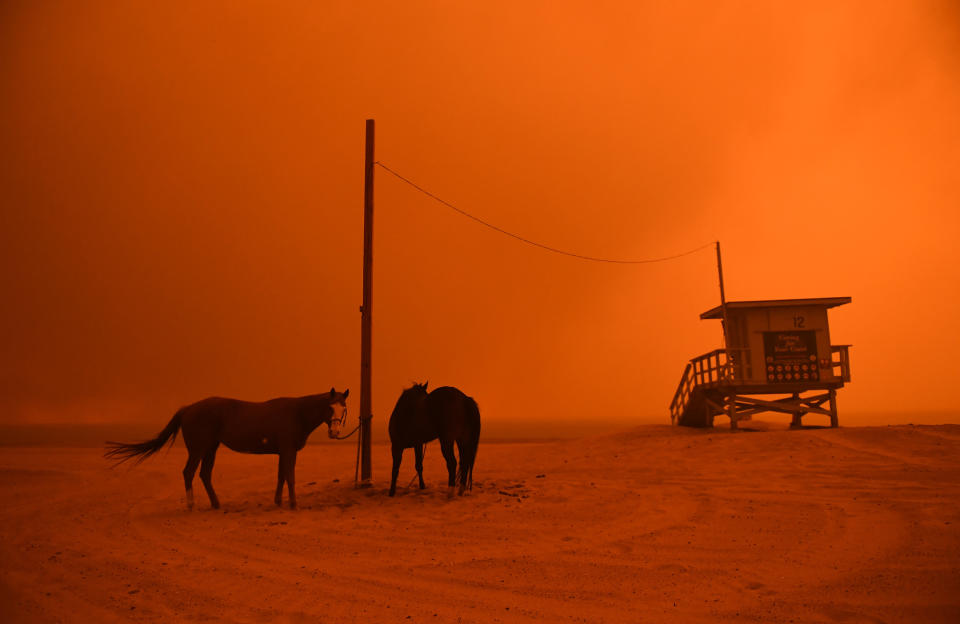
(182, 198)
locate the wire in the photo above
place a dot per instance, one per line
(527, 240)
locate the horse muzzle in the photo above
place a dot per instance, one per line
(335, 429)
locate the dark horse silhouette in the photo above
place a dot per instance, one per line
(276, 427)
(447, 414)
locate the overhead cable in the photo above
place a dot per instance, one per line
(527, 240)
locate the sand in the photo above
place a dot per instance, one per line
(650, 524)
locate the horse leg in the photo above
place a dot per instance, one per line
(418, 450)
(462, 477)
(446, 447)
(397, 457)
(206, 471)
(289, 460)
(193, 460)
(278, 499)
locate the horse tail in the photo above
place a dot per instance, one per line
(468, 452)
(121, 452)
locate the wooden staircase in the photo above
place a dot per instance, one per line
(697, 397)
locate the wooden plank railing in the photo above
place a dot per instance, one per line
(840, 358)
(712, 367)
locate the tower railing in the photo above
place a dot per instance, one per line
(840, 358)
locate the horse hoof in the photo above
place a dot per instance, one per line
(450, 492)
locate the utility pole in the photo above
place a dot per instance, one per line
(730, 400)
(723, 300)
(366, 313)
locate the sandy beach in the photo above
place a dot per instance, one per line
(645, 525)
(593, 219)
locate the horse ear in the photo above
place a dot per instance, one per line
(333, 391)
(346, 393)
(425, 384)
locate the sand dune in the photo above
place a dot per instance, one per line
(649, 524)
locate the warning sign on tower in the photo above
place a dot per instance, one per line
(791, 356)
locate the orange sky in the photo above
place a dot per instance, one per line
(182, 198)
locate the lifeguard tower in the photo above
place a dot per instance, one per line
(777, 347)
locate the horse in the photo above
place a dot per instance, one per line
(445, 413)
(275, 427)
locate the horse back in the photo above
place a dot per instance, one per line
(453, 413)
(244, 426)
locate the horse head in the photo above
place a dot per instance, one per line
(410, 399)
(338, 412)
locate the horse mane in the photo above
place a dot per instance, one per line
(421, 387)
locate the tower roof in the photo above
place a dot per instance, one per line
(826, 302)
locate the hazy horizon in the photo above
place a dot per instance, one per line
(93, 435)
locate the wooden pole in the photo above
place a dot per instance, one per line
(366, 312)
(731, 410)
(834, 418)
(723, 302)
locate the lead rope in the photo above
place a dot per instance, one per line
(356, 470)
(349, 434)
